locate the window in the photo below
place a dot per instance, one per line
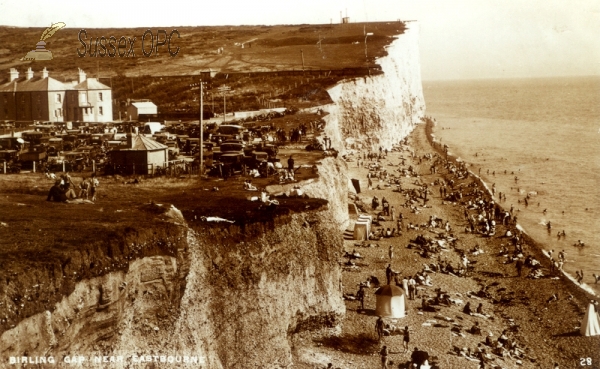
(59, 112)
(82, 97)
(99, 96)
(58, 98)
(72, 98)
(100, 110)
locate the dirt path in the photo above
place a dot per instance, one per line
(545, 332)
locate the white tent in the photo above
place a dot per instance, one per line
(361, 230)
(390, 302)
(589, 325)
(362, 227)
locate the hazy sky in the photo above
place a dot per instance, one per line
(459, 38)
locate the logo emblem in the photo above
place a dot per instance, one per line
(40, 52)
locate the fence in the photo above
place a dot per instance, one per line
(172, 168)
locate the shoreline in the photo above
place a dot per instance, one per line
(518, 304)
(430, 124)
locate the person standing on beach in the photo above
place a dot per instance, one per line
(406, 339)
(388, 273)
(360, 296)
(391, 252)
(519, 265)
(411, 288)
(379, 327)
(384, 357)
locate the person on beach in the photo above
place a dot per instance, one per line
(389, 273)
(579, 276)
(519, 265)
(384, 357)
(412, 285)
(418, 358)
(379, 327)
(391, 252)
(405, 339)
(360, 296)
(467, 309)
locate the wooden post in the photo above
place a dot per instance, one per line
(63, 166)
(34, 166)
(4, 167)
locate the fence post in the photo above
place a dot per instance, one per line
(34, 166)
(152, 168)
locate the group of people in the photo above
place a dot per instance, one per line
(65, 190)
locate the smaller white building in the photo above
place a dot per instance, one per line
(141, 108)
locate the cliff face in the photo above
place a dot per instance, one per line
(381, 110)
(231, 296)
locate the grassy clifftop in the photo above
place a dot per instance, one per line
(226, 49)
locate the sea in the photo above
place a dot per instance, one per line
(546, 133)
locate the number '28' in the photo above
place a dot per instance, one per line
(585, 361)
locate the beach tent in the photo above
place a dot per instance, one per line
(362, 227)
(390, 302)
(589, 325)
(361, 230)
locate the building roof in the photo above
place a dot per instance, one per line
(143, 143)
(91, 84)
(34, 84)
(144, 105)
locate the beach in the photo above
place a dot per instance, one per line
(545, 332)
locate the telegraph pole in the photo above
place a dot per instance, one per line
(224, 90)
(201, 131)
(201, 123)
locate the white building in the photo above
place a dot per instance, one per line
(44, 98)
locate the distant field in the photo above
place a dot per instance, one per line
(168, 80)
(266, 48)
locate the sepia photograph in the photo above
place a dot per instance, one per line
(311, 185)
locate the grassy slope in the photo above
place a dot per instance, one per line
(273, 48)
(166, 80)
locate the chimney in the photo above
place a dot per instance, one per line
(44, 73)
(129, 139)
(81, 75)
(29, 74)
(14, 74)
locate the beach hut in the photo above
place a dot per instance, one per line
(362, 227)
(390, 302)
(589, 325)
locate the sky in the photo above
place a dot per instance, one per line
(459, 39)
